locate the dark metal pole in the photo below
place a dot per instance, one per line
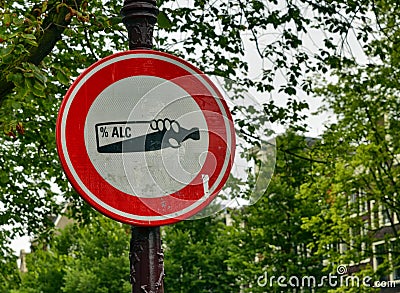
(146, 255)
(147, 260)
(139, 18)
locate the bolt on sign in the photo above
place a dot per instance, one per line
(145, 138)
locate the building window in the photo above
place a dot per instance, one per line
(380, 256)
(386, 216)
(364, 203)
(358, 202)
(395, 258)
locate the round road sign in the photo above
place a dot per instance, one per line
(145, 138)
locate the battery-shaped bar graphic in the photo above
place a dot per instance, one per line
(118, 137)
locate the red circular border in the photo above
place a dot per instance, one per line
(79, 158)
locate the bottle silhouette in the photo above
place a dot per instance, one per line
(169, 134)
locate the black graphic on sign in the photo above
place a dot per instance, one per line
(117, 137)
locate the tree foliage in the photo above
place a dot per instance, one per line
(357, 190)
(267, 238)
(93, 258)
(196, 254)
(43, 44)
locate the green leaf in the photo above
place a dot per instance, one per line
(16, 105)
(44, 6)
(62, 78)
(7, 19)
(39, 86)
(29, 36)
(16, 78)
(6, 51)
(40, 76)
(28, 84)
(31, 42)
(163, 20)
(290, 91)
(115, 20)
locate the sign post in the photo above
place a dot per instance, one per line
(146, 139)
(145, 255)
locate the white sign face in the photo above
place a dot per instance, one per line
(137, 108)
(145, 138)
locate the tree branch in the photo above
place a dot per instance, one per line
(302, 157)
(54, 25)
